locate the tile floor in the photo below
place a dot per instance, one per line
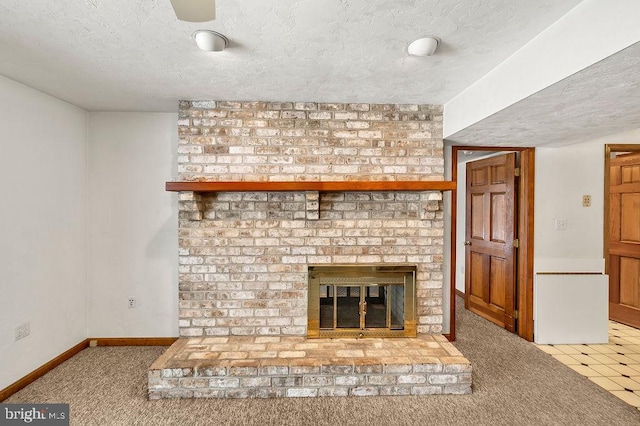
(614, 366)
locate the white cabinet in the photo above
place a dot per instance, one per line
(571, 308)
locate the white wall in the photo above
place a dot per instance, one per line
(133, 225)
(592, 31)
(563, 176)
(461, 218)
(42, 228)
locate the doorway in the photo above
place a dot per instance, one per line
(622, 232)
(522, 312)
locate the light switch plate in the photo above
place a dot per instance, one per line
(561, 224)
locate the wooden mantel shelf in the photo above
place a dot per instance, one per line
(339, 186)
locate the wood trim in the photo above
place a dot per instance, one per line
(42, 370)
(525, 235)
(460, 293)
(311, 186)
(606, 205)
(614, 275)
(621, 147)
(568, 273)
(68, 354)
(453, 246)
(625, 187)
(617, 248)
(624, 314)
(132, 341)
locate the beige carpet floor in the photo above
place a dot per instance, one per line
(514, 384)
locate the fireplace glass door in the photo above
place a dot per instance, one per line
(362, 307)
(360, 302)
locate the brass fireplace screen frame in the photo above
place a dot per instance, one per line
(337, 277)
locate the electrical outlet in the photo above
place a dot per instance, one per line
(23, 330)
(131, 303)
(586, 201)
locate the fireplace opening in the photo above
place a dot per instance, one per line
(361, 301)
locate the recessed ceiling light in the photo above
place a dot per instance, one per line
(210, 41)
(425, 46)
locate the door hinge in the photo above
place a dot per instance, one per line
(516, 171)
(515, 314)
(516, 243)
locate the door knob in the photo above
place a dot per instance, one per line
(467, 243)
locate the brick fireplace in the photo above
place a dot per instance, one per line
(243, 264)
(245, 251)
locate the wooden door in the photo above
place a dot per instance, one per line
(624, 239)
(490, 261)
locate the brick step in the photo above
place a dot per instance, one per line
(273, 367)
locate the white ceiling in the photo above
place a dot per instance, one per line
(134, 55)
(600, 100)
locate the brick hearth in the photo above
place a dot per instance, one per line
(274, 366)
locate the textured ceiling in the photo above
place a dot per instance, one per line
(600, 100)
(134, 55)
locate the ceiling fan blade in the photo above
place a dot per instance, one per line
(195, 10)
